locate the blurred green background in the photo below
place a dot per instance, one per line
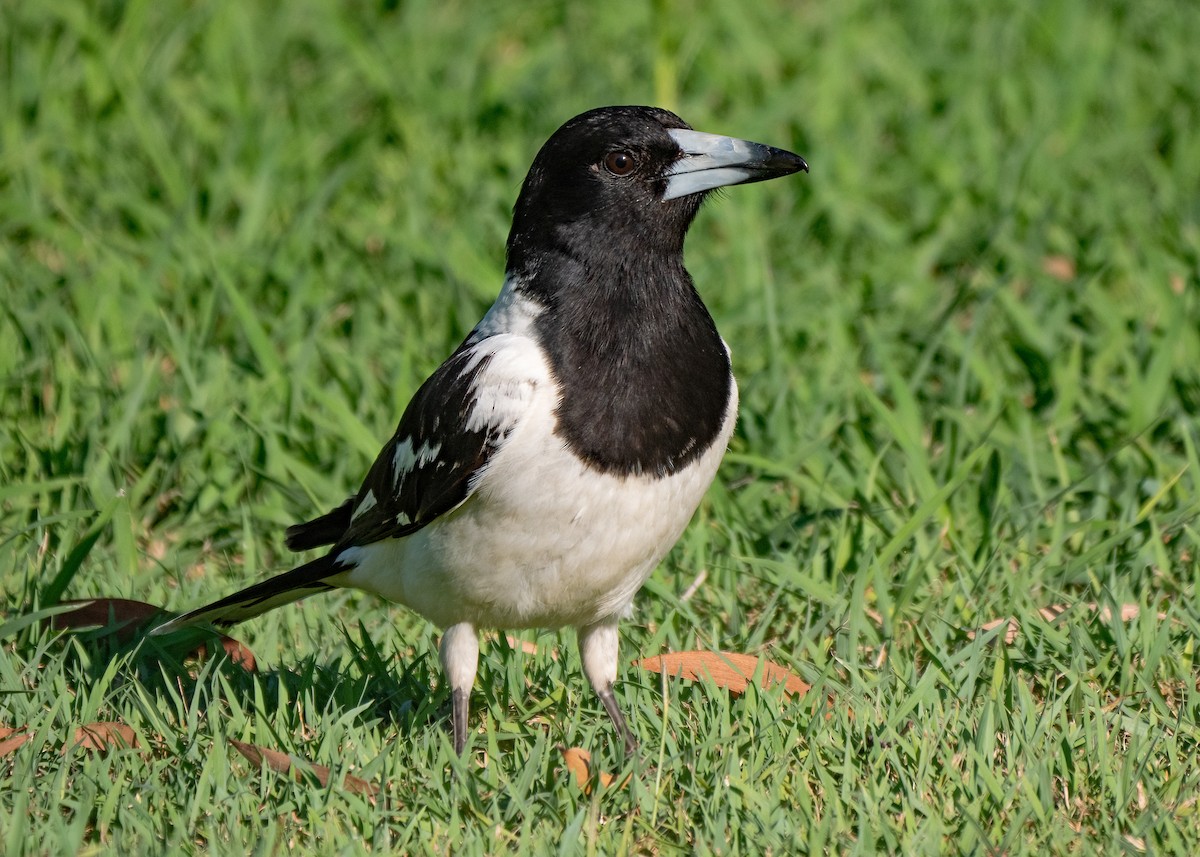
(237, 236)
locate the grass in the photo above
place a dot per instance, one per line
(236, 237)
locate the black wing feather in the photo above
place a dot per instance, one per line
(321, 531)
(412, 491)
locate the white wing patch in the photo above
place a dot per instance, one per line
(406, 458)
(368, 502)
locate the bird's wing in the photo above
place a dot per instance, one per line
(325, 530)
(453, 426)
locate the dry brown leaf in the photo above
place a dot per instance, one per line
(527, 646)
(127, 618)
(731, 670)
(1010, 635)
(102, 737)
(1129, 612)
(11, 739)
(579, 763)
(284, 764)
(1061, 268)
(123, 616)
(1053, 613)
(238, 653)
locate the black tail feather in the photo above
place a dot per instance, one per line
(255, 600)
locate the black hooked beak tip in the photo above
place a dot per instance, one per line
(710, 161)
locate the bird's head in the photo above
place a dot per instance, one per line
(618, 176)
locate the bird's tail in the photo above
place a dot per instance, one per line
(274, 592)
(321, 531)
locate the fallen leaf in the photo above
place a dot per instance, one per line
(1010, 635)
(125, 619)
(1051, 614)
(731, 670)
(238, 653)
(1061, 268)
(104, 736)
(11, 739)
(284, 764)
(527, 646)
(1129, 612)
(579, 763)
(122, 616)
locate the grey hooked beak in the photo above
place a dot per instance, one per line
(710, 160)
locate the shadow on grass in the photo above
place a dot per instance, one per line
(376, 686)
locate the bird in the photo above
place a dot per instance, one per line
(539, 476)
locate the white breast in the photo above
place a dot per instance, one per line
(544, 541)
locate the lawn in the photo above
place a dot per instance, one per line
(962, 501)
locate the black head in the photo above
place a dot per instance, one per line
(603, 173)
(625, 176)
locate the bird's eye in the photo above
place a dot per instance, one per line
(619, 163)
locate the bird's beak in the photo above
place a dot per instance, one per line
(710, 160)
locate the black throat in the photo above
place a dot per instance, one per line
(645, 377)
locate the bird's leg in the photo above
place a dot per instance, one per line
(598, 651)
(460, 710)
(459, 653)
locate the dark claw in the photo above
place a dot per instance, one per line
(610, 705)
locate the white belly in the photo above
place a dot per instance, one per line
(543, 541)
